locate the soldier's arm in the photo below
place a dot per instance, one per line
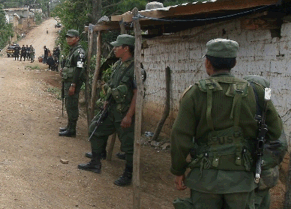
(127, 120)
(182, 135)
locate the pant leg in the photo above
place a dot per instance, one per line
(241, 200)
(126, 137)
(72, 102)
(206, 200)
(100, 136)
(262, 199)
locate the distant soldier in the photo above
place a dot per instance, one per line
(32, 53)
(45, 54)
(27, 52)
(73, 76)
(16, 52)
(23, 52)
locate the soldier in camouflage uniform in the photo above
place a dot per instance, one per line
(72, 76)
(120, 119)
(216, 125)
(32, 53)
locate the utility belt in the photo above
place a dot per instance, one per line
(68, 73)
(223, 150)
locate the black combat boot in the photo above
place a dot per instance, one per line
(120, 155)
(94, 165)
(126, 177)
(103, 155)
(64, 128)
(71, 131)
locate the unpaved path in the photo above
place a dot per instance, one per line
(31, 174)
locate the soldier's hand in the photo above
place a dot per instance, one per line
(61, 71)
(71, 90)
(179, 182)
(105, 104)
(126, 122)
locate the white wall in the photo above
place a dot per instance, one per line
(259, 54)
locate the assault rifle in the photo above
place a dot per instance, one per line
(263, 129)
(102, 116)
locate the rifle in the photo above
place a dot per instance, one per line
(103, 115)
(260, 142)
(63, 86)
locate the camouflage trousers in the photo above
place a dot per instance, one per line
(109, 126)
(72, 103)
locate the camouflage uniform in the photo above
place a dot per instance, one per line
(73, 72)
(120, 93)
(216, 125)
(117, 112)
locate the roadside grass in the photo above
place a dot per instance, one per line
(56, 91)
(34, 67)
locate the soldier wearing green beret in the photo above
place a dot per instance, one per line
(72, 76)
(216, 125)
(122, 91)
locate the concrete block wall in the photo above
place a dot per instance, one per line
(260, 54)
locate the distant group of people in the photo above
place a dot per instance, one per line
(51, 59)
(25, 52)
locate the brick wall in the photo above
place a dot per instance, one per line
(260, 54)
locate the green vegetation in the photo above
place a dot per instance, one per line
(56, 91)
(6, 30)
(35, 67)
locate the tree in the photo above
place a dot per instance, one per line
(6, 30)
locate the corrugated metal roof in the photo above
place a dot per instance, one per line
(197, 9)
(194, 8)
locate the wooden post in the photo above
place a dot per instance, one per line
(138, 111)
(110, 147)
(122, 27)
(96, 77)
(167, 106)
(287, 204)
(87, 92)
(113, 136)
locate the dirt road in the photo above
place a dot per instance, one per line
(31, 174)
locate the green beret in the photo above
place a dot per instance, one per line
(124, 39)
(223, 48)
(72, 33)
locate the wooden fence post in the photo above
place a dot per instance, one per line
(138, 111)
(95, 77)
(87, 93)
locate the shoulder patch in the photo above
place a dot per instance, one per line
(186, 91)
